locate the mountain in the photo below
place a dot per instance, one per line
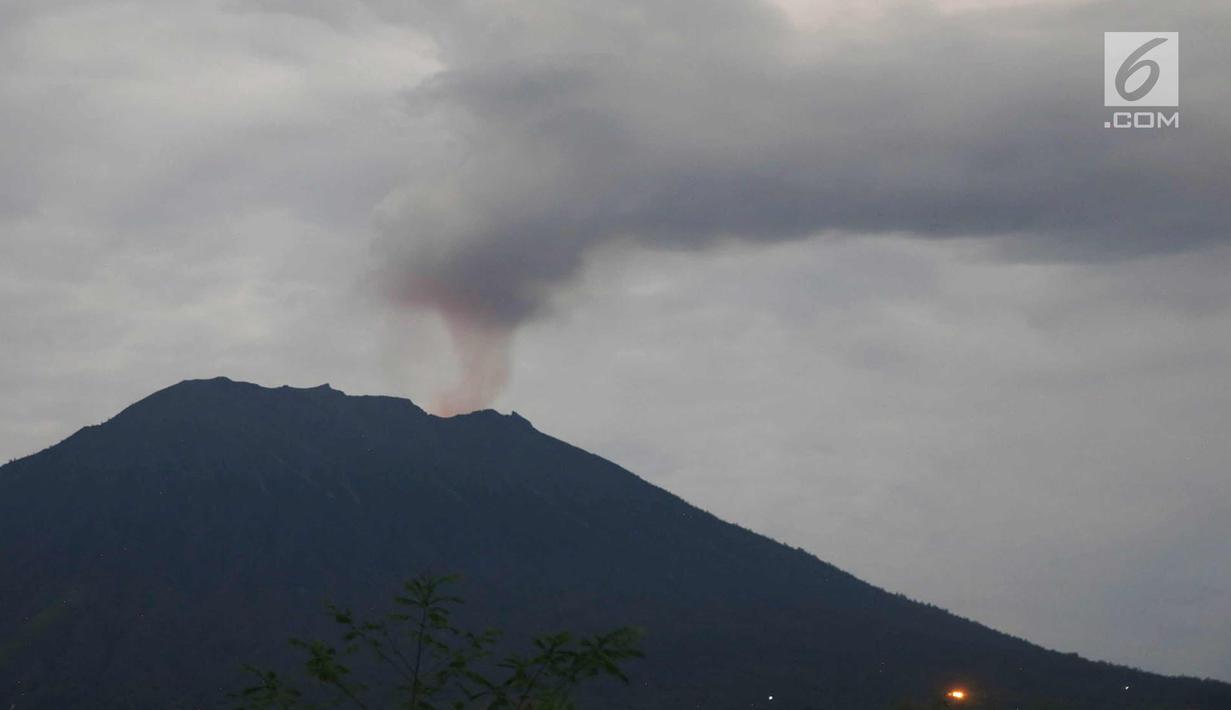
(144, 559)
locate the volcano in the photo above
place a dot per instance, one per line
(143, 560)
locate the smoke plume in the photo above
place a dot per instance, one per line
(679, 124)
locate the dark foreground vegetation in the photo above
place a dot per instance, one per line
(415, 658)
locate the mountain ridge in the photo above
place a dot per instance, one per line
(255, 502)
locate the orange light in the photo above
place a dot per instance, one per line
(956, 694)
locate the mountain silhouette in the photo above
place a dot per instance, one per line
(143, 560)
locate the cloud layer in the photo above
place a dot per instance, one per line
(681, 125)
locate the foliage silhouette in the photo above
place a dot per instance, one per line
(421, 661)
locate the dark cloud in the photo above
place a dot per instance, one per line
(684, 124)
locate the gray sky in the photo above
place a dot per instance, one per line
(869, 278)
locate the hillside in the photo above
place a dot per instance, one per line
(143, 559)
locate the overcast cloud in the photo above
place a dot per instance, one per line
(686, 123)
(872, 280)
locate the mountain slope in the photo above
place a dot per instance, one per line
(144, 559)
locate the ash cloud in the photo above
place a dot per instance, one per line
(680, 124)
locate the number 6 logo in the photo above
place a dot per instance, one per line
(1132, 64)
(1141, 69)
